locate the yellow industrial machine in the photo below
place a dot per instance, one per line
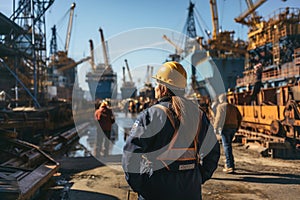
(273, 119)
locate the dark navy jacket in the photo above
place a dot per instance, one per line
(151, 135)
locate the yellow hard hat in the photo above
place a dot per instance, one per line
(104, 104)
(172, 73)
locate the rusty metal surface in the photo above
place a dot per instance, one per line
(23, 169)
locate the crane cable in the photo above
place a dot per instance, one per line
(201, 22)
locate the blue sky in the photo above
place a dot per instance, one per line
(126, 26)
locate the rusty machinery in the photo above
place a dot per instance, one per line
(273, 120)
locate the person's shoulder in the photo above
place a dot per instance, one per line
(223, 105)
(157, 107)
(232, 105)
(149, 113)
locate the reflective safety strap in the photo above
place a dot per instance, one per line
(178, 154)
(168, 112)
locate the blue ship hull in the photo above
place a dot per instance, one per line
(102, 84)
(213, 75)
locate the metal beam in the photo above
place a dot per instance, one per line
(21, 83)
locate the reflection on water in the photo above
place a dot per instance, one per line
(87, 144)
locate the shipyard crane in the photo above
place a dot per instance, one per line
(222, 41)
(53, 42)
(255, 19)
(124, 78)
(128, 89)
(129, 73)
(92, 61)
(178, 51)
(61, 57)
(177, 48)
(148, 89)
(70, 24)
(74, 64)
(105, 55)
(215, 18)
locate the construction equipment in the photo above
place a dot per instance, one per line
(74, 64)
(148, 89)
(178, 51)
(177, 48)
(104, 48)
(128, 70)
(272, 119)
(62, 68)
(255, 19)
(224, 40)
(92, 61)
(128, 89)
(102, 80)
(215, 18)
(68, 37)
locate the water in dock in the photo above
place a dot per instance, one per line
(87, 143)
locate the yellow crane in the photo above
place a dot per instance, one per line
(178, 50)
(215, 18)
(244, 17)
(68, 37)
(69, 66)
(223, 40)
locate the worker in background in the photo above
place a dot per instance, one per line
(257, 85)
(213, 109)
(172, 149)
(105, 118)
(228, 119)
(131, 106)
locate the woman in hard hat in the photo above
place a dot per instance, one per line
(172, 148)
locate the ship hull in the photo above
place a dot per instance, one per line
(103, 89)
(128, 92)
(213, 75)
(102, 84)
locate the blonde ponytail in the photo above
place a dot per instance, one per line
(178, 107)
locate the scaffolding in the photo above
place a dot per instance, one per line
(23, 47)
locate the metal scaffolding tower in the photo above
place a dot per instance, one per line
(29, 44)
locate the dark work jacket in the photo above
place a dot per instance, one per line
(150, 136)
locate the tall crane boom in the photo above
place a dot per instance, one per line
(73, 64)
(70, 27)
(92, 55)
(177, 48)
(215, 18)
(129, 73)
(124, 79)
(251, 10)
(104, 48)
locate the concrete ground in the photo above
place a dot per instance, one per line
(255, 178)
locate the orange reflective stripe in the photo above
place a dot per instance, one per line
(178, 154)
